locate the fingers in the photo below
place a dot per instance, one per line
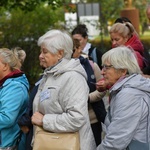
(37, 119)
(24, 129)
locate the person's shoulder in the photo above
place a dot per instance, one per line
(96, 48)
(93, 47)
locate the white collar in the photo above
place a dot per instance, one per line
(86, 48)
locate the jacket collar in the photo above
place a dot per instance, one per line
(14, 74)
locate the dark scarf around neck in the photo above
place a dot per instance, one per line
(13, 74)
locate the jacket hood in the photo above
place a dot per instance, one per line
(23, 79)
(134, 81)
(66, 65)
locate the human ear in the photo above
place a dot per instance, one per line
(60, 54)
(124, 71)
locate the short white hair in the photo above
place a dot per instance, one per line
(122, 57)
(55, 40)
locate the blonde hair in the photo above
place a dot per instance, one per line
(125, 29)
(20, 54)
(10, 58)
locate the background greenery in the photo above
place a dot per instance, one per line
(22, 22)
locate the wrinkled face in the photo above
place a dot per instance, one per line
(110, 74)
(81, 39)
(117, 39)
(48, 59)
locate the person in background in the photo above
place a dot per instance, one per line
(13, 98)
(127, 122)
(96, 114)
(146, 55)
(123, 34)
(80, 33)
(60, 104)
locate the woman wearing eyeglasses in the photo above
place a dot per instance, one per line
(127, 124)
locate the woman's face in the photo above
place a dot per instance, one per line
(81, 39)
(4, 69)
(48, 59)
(117, 39)
(110, 74)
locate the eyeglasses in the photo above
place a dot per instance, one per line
(106, 67)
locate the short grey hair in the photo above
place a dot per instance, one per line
(122, 57)
(55, 40)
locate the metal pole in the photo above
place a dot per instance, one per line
(101, 32)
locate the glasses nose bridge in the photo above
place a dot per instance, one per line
(106, 67)
(103, 71)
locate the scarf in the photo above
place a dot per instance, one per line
(13, 74)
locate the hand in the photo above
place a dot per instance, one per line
(101, 85)
(37, 119)
(146, 76)
(24, 129)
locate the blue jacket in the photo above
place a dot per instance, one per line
(13, 102)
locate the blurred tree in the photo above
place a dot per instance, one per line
(141, 6)
(110, 10)
(29, 5)
(23, 28)
(22, 22)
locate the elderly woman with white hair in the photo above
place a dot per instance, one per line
(60, 104)
(127, 124)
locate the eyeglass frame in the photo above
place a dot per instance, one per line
(106, 67)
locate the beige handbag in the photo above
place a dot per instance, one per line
(45, 140)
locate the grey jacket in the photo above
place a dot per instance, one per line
(128, 119)
(62, 98)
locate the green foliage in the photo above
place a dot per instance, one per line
(20, 28)
(110, 10)
(22, 22)
(29, 5)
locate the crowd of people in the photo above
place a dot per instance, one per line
(68, 97)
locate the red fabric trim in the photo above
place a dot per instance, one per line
(13, 74)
